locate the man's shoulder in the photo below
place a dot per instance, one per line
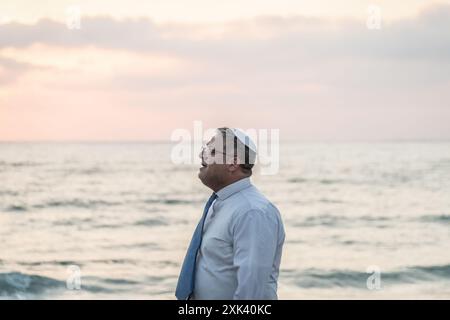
(251, 199)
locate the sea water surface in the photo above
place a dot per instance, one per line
(122, 214)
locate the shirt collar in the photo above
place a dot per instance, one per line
(231, 189)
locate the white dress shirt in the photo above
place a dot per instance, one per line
(240, 254)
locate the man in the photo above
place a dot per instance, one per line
(235, 251)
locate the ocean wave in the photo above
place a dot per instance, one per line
(16, 284)
(116, 285)
(90, 204)
(78, 203)
(169, 201)
(18, 164)
(385, 179)
(72, 203)
(50, 262)
(66, 171)
(442, 218)
(329, 220)
(115, 281)
(331, 181)
(321, 220)
(316, 278)
(319, 181)
(78, 262)
(144, 245)
(91, 171)
(442, 271)
(298, 180)
(119, 225)
(73, 222)
(8, 193)
(151, 222)
(16, 208)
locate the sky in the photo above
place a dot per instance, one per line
(138, 70)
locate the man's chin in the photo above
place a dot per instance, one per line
(203, 176)
(201, 173)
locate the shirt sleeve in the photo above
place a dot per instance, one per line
(254, 246)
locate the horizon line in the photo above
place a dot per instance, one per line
(105, 141)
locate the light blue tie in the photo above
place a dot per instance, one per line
(186, 279)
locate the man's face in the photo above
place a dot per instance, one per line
(211, 173)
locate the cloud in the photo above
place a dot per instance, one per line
(332, 77)
(294, 48)
(425, 36)
(105, 32)
(11, 69)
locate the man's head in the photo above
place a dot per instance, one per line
(228, 157)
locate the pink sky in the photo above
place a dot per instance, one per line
(140, 74)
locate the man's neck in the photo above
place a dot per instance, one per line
(223, 185)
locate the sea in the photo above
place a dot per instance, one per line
(112, 220)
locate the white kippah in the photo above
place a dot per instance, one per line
(245, 139)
